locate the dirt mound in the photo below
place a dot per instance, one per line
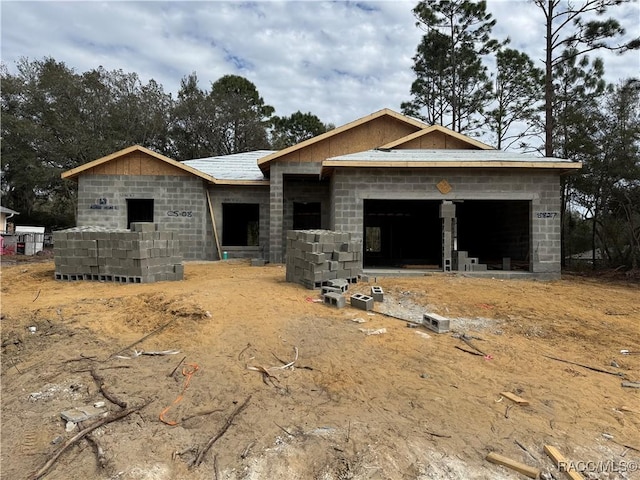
(325, 399)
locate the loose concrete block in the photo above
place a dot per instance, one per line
(377, 293)
(506, 263)
(340, 283)
(478, 267)
(81, 414)
(361, 301)
(327, 289)
(334, 299)
(435, 322)
(258, 262)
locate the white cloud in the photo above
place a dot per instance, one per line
(339, 60)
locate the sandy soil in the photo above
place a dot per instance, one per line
(405, 404)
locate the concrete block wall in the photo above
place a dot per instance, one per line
(282, 173)
(180, 205)
(144, 254)
(351, 186)
(315, 257)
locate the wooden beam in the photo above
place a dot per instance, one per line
(559, 461)
(449, 164)
(515, 398)
(213, 222)
(519, 467)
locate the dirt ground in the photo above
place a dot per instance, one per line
(403, 404)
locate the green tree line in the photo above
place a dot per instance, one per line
(55, 119)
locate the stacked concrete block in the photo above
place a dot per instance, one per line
(436, 322)
(143, 254)
(464, 263)
(316, 257)
(361, 301)
(448, 216)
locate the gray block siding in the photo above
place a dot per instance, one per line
(242, 194)
(351, 186)
(180, 205)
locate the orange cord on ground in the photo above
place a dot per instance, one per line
(188, 370)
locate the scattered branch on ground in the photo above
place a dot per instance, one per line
(83, 433)
(468, 351)
(177, 367)
(198, 460)
(99, 379)
(595, 369)
(155, 332)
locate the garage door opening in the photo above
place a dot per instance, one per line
(240, 224)
(139, 210)
(493, 230)
(402, 233)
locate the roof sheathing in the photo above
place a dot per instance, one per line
(234, 169)
(362, 134)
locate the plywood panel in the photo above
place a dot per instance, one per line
(456, 143)
(137, 163)
(367, 136)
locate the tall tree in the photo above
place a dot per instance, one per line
(517, 93)
(579, 86)
(570, 26)
(288, 131)
(54, 119)
(452, 84)
(241, 117)
(609, 188)
(192, 127)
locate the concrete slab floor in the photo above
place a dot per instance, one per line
(502, 274)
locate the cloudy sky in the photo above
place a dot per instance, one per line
(339, 60)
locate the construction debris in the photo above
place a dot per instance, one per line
(515, 398)
(519, 467)
(372, 331)
(561, 463)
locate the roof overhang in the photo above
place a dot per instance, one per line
(386, 159)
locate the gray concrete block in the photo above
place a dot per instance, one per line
(334, 299)
(377, 293)
(340, 283)
(327, 289)
(258, 262)
(435, 322)
(81, 414)
(361, 301)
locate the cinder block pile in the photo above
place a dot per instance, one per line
(464, 263)
(143, 254)
(316, 256)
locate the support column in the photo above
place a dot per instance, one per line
(276, 211)
(448, 216)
